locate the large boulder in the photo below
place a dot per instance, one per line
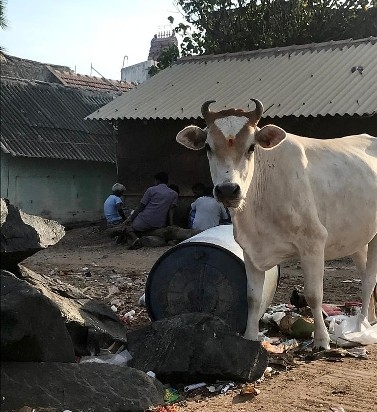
(195, 347)
(82, 387)
(91, 324)
(32, 328)
(22, 234)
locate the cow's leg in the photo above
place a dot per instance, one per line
(313, 268)
(255, 285)
(360, 260)
(369, 280)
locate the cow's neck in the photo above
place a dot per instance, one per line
(267, 204)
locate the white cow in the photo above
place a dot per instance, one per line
(292, 197)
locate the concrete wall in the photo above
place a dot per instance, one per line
(63, 190)
(137, 73)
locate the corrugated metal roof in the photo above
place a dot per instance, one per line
(46, 120)
(309, 80)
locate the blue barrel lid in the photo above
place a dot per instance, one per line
(198, 277)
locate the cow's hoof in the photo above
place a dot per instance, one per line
(317, 349)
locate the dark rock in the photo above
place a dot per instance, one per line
(78, 387)
(22, 234)
(32, 328)
(152, 241)
(91, 324)
(195, 347)
(172, 233)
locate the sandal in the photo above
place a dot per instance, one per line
(136, 244)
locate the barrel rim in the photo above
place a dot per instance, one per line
(172, 250)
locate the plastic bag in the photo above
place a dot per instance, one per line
(120, 358)
(350, 330)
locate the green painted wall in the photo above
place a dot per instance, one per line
(67, 191)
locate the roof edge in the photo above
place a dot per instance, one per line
(279, 50)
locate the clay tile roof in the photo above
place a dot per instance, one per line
(91, 82)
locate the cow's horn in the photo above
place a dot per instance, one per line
(258, 109)
(205, 108)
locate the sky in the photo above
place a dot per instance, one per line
(82, 34)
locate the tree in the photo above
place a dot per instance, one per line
(165, 59)
(222, 26)
(3, 20)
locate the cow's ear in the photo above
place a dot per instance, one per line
(269, 136)
(192, 137)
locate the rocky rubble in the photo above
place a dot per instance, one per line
(48, 326)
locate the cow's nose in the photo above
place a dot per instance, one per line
(230, 190)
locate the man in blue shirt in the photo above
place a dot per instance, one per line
(113, 206)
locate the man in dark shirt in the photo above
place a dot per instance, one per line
(155, 210)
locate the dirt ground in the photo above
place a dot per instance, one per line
(88, 260)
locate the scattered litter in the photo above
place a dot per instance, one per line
(227, 386)
(330, 310)
(114, 308)
(171, 395)
(189, 388)
(130, 314)
(249, 390)
(282, 347)
(272, 348)
(351, 281)
(275, 313)
(358, 352)
(268, 371)
(151, 374)
(164, 408)
(335, 355)
(115, 347)
(302, 328)
(352, 308)
(120, 358)
(116, 302)
(214, 389)
(113, 290)
(350, 330)
(281, 360)
(337, 408)
(142, 300)
(127, 317)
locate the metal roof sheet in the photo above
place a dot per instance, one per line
(46, 120)
(337, 77)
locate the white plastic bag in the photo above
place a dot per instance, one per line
(351, 330)
(120, 358)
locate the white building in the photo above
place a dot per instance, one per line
(138, 73)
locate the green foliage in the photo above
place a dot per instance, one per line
(222, 26)
(166, 58)
(3, 20)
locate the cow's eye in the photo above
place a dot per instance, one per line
(251, 148)
(208, 148)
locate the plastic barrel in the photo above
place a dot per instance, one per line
(205, 273)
